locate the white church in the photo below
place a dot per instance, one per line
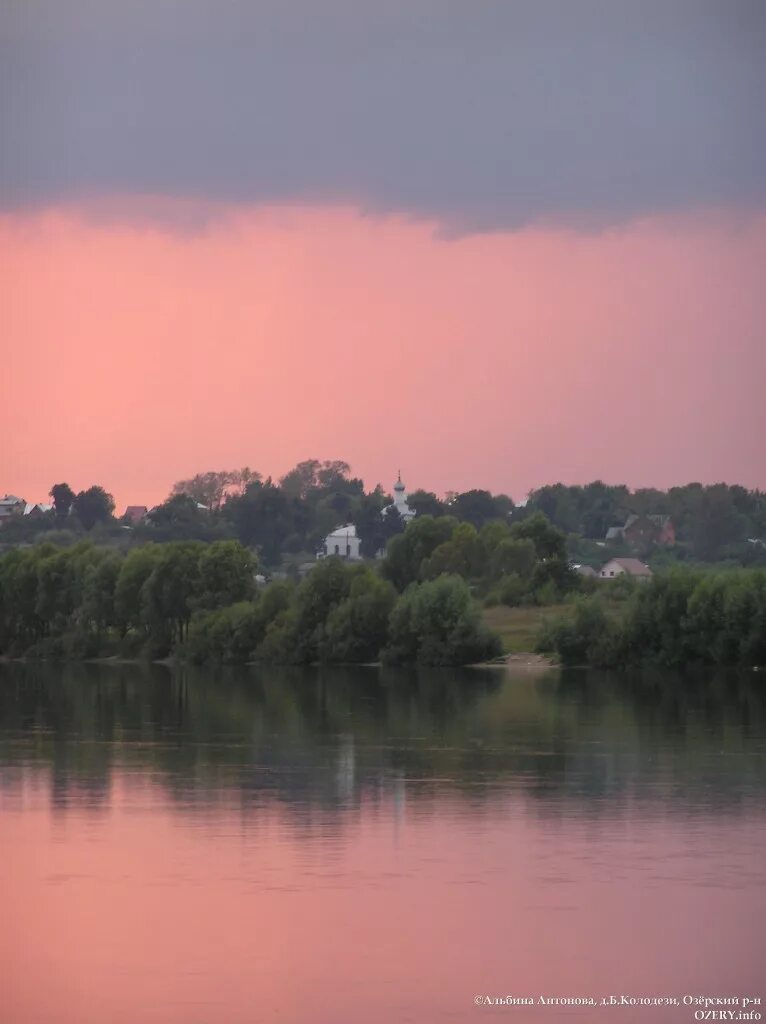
(400, 501)
(344, 542)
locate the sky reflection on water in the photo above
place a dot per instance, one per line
(357, 845)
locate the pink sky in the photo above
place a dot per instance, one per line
(136, 354)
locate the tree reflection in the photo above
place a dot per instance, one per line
(326, 740)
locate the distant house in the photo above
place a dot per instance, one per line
(625, 566)
(11, 506)
(342, 542)
(135, 514)
(585, 570)
(641, 531)
(40, 509)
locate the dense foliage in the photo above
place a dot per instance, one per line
(711, 523)
(507, 563)
(201, 601)
(285, 521)
(679, 618)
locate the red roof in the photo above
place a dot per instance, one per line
(135, 513)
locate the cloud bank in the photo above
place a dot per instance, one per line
(481, 115)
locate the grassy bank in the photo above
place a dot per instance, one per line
(519, 628)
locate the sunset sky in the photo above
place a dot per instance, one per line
(491, 244)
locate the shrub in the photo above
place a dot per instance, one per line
(357, 628)
(511, 590)
(438, 623)
(677, 619)
(229, 634)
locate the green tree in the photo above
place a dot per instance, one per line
(549, 542)
(167, 596)
(517, 556)
(368, 519)
(479, 507)
(425, 503)
(357, 627)
(99, 587)
(439, 623)
(266, 518)
(21, 623)
(63, 496)
(93, 506)
(212, 488)
(462, 554)
(407, 551)
(134, 572)
(227, 574)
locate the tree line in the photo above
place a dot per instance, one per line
(286, 520)
(201, 602)
(712, 523)
(680, 618)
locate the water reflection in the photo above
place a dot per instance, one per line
(345, 845)
(331, 738)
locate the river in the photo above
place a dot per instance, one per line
(360, 845)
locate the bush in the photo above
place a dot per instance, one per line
(229, 634)
(438, 623)
(586, 637)
(679, 619)
(357, 628)
(511, 590)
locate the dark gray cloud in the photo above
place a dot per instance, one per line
(484, 114)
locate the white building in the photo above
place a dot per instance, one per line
(10, 505)
(400, 502)
(342, 542)
(625, 566)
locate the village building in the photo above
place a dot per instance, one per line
(135, 514)
(11, 506)
(40, 509)
(643, 531)
(400, 502)
(345, 543)
(585, 570)
(342, 542)
(625, 567)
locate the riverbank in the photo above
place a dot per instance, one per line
(520, 628)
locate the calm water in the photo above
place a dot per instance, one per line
(356, 846)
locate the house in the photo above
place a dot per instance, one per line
(643, 531)
(40, 509)
(135, 514)
(625, 567)
(343, 542)
(585, 570)
(11, 506)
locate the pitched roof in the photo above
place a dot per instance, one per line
(135, 512)
(632, 566)
(657, 519)
(343, 531)
(585, 570)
